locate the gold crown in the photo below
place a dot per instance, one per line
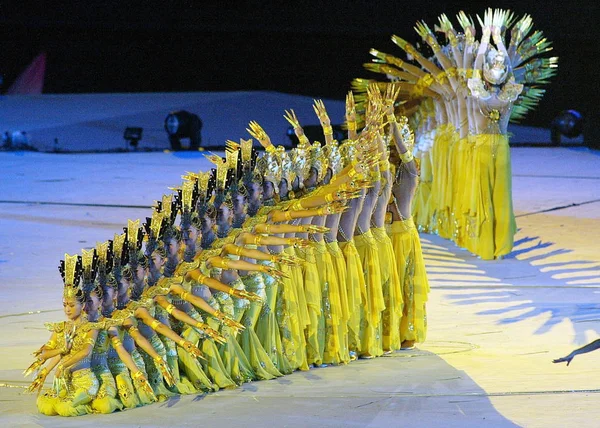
(156, 223)
(334, 156)
(71, 271)
(318, 160)
(221, 170)
(187, 195)
(287, 167)
(118, 246)
(271, 169)
(299, 156)
(133, 228)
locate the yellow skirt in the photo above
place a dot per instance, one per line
(356, 290)
(339, 270)
(413, 279)
(392, 291)
(370, 337)
(491, 223)
(312, 291)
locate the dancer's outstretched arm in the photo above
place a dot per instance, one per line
(583, 350)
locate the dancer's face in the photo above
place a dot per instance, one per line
(172, 247)
(239, 204)
(283, 188)
(92, 303)
(224, 216)
(255, 192)
(268, 190)
(72, 308)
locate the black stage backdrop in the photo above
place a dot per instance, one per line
(308, 48)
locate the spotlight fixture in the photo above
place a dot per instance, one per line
(568, 123)
(133, 135)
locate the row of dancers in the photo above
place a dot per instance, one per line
(264, 265)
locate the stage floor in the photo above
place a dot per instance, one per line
(494, 327)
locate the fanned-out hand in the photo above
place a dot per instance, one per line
(210, 332)
(272, 271)
(229, 322)
(191, 349)
(38, 382)
(161, 365)
(142, 384)
(248, 295)
(33, 367)
(259, 133)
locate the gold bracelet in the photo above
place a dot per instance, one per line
(329, 197)
(116, 341)
(352, 126)
(90, 341)
(287, 215)
(133, 329)
(51, 344)
(170, 308)
(184, 295)
(320, 211)
(257, 240)
(237, 251)
(406, 157)
(327, 130)
(231, 291)
(225, 263)
(181, 342)
(267, 228)
(154, 324)
(137, 375)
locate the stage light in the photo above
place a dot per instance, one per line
(183, 124)
(568, 123)
(133, 135)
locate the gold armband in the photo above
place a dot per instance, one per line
(257, 240)
(352, 172)
(225, 263)
(116, 341)
(267, 228)
(154, 324)
(406, 157)
(352, 126)
(181, 343)
(90, 341)
(51, 344)
(287, 215)
(137, 375)
(170, 308)
(297, 206)
(274, 258)
(184, 295)
(327, 130)
(329, 197)
(238, 251)
(391, 118)
(231, 291)
(133, 329)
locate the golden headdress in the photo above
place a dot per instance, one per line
(318, 160)
(71, 269)
(287, 167)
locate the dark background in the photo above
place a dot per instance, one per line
(303, 48)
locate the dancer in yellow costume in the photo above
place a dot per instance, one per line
(405, 239)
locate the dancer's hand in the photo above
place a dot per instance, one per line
(38, 382)
(142, 383)
(191, 348)
(248, 295)
(566, 359)
(161, 365)
(33, 367)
